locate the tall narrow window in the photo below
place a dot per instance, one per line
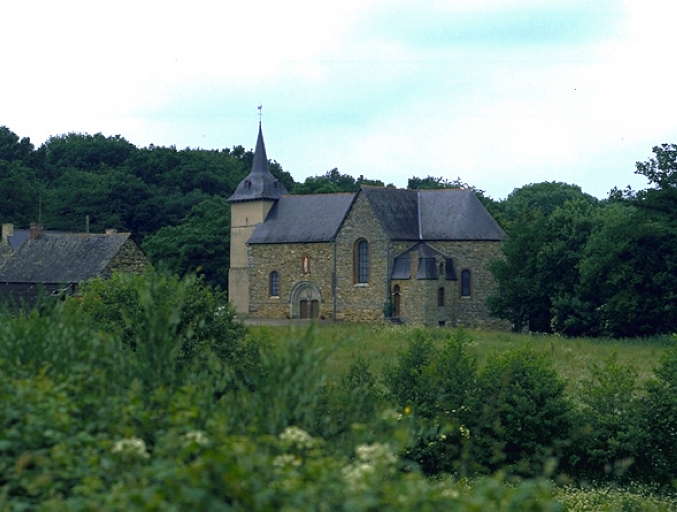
(361, 261)
(274, 284)
(396, 301)
(465, 283)
(440, 296)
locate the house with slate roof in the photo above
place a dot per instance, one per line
(414, 256)
(55, 263)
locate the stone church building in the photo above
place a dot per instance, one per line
(413, 256)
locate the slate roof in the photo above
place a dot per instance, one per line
(428, 258)
(295, 219)
(259, 183)
(397, 209)
(61, 258)
(19, 236)
(456, 214)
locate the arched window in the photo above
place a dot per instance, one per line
(361, 261)
(440, 296)
(465, 283)
(396, 301)
(274, 284)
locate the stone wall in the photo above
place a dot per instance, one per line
(419, 298)
(362, 302)
(286, 259)
(128, 259)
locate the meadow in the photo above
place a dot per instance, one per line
(379, 346)
(147, 394)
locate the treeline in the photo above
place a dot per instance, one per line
(578, 266)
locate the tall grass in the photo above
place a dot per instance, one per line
(379, 345)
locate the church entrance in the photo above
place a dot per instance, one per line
(309, 309)
(305, 301)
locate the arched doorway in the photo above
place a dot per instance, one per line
(305, 301)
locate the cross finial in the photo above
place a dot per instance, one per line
(260, 114)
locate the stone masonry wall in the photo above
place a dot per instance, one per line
(362, 302)
(129, 259)
(286, 260)
(474, 256)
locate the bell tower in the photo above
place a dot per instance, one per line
(249, 206)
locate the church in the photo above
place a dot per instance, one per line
(379, 254)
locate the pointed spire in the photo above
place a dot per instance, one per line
(259, 183)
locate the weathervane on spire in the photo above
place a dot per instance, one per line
(260, 114)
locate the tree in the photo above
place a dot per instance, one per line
(628, 272)
(21, 193)
(549, 224)
(12, 148)
(200, 243)
(332, 182)
(84, 152)
(541, 197)
(661, 170)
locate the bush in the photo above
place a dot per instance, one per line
(520, 413)
(658, 459)
(169, 323)
(608, 436)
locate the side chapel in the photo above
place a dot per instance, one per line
(413, 256)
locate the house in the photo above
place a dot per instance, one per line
(415, 256)
(56, 263)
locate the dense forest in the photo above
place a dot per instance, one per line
(574, 265)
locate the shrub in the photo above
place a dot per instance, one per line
(168, 322)
(520, 413)
(658, 458)
(608, 436)
(411, 380)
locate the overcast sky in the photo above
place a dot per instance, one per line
(499, 93)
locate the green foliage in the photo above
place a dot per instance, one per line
(659, 412)
(12, 148)
(521, 300)
(609, 435)
(543, 198)
(144, 311)
(410, 380)
(201, 243)
(520, 413)
(661, 170)
(332, 182)
(82, 429)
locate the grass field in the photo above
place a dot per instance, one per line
(379, 345)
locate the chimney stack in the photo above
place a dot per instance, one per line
(36, 230)
(7, 231)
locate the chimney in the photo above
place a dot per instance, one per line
(37, 230)
(111, 231)
(7, 231)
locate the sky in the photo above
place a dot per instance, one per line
(498, 93)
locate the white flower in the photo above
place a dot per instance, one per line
(286, 460)
(131, 446)
(297, 437)
(376, 453)
(369, 458)
(195, 436)
(354, 475)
